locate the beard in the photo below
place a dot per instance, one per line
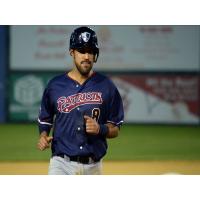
(84, 67)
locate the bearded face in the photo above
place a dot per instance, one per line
(83, 60)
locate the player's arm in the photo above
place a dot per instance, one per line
(45, 121)
(113, 130)
(108, 130)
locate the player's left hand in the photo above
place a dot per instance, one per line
(92, 127)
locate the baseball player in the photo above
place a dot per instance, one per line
(83, 107)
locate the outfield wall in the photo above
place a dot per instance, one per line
(156, 69)
(147, 98)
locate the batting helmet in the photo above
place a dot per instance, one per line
(84, 37)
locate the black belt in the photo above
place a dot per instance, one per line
(79, 159)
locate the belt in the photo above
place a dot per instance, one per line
(79, 159)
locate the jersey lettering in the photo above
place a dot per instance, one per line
(67, 104)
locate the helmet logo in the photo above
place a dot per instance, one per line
(85, 36)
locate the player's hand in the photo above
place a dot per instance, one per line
(92, 127)
(44, 142)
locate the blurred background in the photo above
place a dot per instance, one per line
(156, 69)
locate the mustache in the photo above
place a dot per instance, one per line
(86, 61)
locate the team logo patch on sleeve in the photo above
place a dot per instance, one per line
(67, 104)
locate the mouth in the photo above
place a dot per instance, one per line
(86, 62)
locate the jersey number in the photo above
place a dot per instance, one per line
(96, 113)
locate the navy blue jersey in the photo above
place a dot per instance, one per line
(64, 104)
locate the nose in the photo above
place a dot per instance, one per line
(86, 55)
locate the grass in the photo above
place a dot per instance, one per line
(135, 142)
(150, 142)
(18, 142)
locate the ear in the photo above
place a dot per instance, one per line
(95, 58)
(71, 52)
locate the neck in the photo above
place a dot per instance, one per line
(75, 74)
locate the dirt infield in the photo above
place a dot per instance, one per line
(110, 167)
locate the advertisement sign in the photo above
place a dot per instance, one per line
(26, 91)
(160, 98)
(122, 48)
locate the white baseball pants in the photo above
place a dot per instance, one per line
(63, 166)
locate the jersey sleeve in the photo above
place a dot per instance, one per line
(116, 110)
(45, 118)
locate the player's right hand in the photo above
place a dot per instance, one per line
(44, 142)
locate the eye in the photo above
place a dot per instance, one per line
(83, 51)
(90, 51)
